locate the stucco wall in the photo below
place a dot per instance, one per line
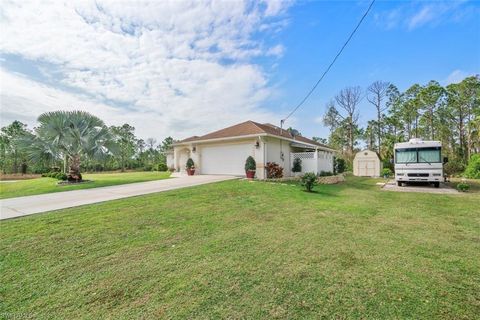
(169, 158)
(274, 149)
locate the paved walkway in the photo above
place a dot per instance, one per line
(22, 206)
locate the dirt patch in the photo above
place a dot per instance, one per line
(423, 188)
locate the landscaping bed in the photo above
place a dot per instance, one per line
(320, 180)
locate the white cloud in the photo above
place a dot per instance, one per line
(24, 100)
(181, 68)
(278, 51)
(426, 14)
(416, 14)
(456, 76)
(318, 120)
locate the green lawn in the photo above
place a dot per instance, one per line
(240, 249)
(48, 185)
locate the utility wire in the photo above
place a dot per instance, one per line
(331, 64)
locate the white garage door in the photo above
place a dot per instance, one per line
(366, 168)
(228, 159)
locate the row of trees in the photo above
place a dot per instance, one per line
(450, 114)
(74, 141)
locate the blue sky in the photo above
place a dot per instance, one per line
(444, 43)
(187, 68)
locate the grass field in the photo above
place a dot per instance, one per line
(48, 185)
(240, 249)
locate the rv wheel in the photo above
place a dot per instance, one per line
(399, 183)
(437, 184)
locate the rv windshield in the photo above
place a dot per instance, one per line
(429, 155)
(418, 155)
(405, 155)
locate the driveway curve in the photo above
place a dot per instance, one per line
(23, 206)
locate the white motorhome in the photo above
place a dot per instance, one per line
(419, 161)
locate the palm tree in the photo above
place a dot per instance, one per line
(73, 134)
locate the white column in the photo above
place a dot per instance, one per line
(315, 156)
(331, 161)
(175, 158)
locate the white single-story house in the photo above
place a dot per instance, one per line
(225, 151)
(367, 164)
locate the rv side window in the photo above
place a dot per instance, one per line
(429, 155)
(405, 155)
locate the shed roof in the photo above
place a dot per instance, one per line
(370, 154)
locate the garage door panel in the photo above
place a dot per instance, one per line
(227, 159)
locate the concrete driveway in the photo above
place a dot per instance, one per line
(22, 206)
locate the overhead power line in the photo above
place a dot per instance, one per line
(331, 64)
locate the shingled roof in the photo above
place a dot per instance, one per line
(251, 128)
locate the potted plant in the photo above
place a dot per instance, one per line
(297, 166)
(190, 167)
(250, 167)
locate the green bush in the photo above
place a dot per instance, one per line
(61, 176)
(339, 165)
(148, 167)
(473, 168)
(309, 180)
(190, 164)
(297, 165)
(250, 164)
(55, 175)
(463, 187)
(386, 172)
(325, 174)
(453, 167)
(162, 167)
(387, 163)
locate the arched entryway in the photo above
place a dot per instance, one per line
(181, 158)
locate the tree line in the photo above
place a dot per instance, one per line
(449, 114)
(74, 141)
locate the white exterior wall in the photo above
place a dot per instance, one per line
(222, 155)
(274, 147)
(170, 160)
(325, 161)
(268, 150)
